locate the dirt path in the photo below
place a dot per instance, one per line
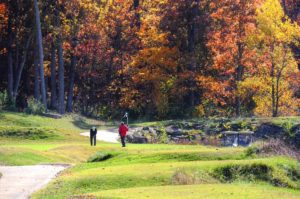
(105, 135)
(19, 182)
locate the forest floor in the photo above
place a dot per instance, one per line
(139, 170)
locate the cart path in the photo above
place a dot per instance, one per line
(105, 135)
(19, 182)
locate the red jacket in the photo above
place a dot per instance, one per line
(123, 130)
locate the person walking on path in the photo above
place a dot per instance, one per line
(123, 131)
(93, 133)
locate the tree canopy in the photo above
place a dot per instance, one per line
(156, 59)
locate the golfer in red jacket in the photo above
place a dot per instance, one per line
(122, 131)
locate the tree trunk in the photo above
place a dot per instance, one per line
(136, 4)
(239, 77)
(274, 114)
(36, 73)
(10, 62)
(71, 84)
(192, 33)
(284, 7)
(53, 102)
(61, 81)
(20, 68)
(40, 50)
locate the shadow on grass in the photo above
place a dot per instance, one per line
(83, 123)
(80, 123)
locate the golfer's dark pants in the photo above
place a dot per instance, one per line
(93, 139)
(123, 141)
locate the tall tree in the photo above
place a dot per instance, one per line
(53, 101)
(192, 35)
(230, 21)
(61, 67)
(272, 40)
(36, 73)
(39, 40)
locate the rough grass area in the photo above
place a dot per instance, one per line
(273, 147)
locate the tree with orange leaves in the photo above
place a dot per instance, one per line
(230, 21)
(153, 68)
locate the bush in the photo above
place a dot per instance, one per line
(100, 156)
(251, 172)
(3, 100)
(251, 151)
(35, 107)
(6, 103)
(163, 137)
(257, 172)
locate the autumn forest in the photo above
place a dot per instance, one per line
(156, 59)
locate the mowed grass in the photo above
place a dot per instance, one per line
(88, 178)
(140, 170)
(207, 191)
(20, 143)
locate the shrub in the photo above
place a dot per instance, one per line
(6, 103)
(3, 100)
(35, 107)
(163, 137)
(100, 156)
(256, 172)
(251, 151)
(251, 172)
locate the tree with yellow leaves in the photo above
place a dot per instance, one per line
(153, 68)
(271, 40)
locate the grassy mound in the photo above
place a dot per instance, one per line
(100, 156)
(32, 133)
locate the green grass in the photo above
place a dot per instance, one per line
(207, 191)
(140, 170)
(84, 180)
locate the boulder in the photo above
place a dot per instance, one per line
(174, 130)
(269, 130)
(136, 139)
(237, 138)
(52, 115)
(152, 131)
(187, 126)
(297, 139)
(197, 126)
(296, 131)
